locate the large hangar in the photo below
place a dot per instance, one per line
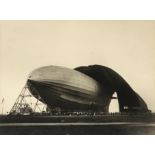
(128, 99)
(82, 89)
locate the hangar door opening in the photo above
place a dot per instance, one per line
(114, 105)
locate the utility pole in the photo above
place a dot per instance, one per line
(2, 105)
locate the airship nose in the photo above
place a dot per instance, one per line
(35, 76)
(31, 78)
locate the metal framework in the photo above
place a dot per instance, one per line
(26, 103)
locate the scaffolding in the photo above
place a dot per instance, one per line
(26, 103)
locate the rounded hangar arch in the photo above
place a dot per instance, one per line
(128, 99)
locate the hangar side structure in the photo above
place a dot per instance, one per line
(129, 100)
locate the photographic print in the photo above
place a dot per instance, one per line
(72, 77)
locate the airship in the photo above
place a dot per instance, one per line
(67, 89)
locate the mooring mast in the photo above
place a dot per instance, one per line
(27, 104)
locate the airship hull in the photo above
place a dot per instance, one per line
(67, 89)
